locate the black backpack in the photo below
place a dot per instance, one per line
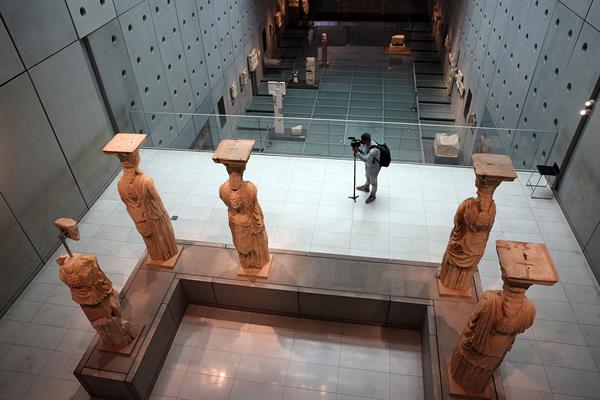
(385, 156)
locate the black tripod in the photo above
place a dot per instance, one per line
(354, 196)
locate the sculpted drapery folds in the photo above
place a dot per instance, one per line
(499, 317)
(145, 207)
(246, 219)
(473, 222)
(490, 333)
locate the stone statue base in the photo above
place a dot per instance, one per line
(445, 291)
(170, 263)
(262, 272)
(457, 390)
(127, 350)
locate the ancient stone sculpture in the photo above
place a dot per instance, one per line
(311, 70)
(277, 90)
(245, 215)
(144, 205)
(324, 45)
(473, 222)
(94, 292)
(499, 317)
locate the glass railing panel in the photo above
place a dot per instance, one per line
(328, 137)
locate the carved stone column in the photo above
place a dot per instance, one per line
(473, 222)
(143, 203)
(499, 317)
(246, 219)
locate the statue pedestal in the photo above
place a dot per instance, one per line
(448, 292)
(262, 272)
(170, 263)
(127, 350)
(457, 390)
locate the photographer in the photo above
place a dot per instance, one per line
(370, 154)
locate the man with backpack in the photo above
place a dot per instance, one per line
(375, 156)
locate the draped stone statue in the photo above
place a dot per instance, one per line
(473, 222)
(499, 317)
(144, 205)
(246, 219)
(94, 292)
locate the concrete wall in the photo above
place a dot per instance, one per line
(72, 71)
(532, 64)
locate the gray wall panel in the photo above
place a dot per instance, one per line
(39, 28)
(168, 33)
(116, 74)
(593, 16)
(124, 5)
(90, 15)
(35, 179)
(11, 64)
(77, 114)
(194, 50)
(19, 259)
(580, 78)
(580, 191)
(580, 7)
(210, 39)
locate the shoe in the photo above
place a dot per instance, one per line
(370, 199)
(363, 188)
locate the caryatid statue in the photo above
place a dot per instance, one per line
(94, 292)
(473, 222)
(499, 317)
(246, 219)
(144, 205)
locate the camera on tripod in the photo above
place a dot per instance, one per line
(354, 142)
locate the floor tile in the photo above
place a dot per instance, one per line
(62, 365)
(524, 376)
(405, 387)
(574, 382)
(169, 382)
(214, 362)
(179, 357)
(199, 386)
(243, 390)
(14, 385)
(267, 345)
(316, 349)
(558, 332)
(42, 336)
(55, 389)
(567, 356)
(262, 369)
(312, 376)
(303, 394)
(363, 383)
(359, 356)
(25, 359)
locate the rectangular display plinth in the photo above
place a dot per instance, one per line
(384, 292)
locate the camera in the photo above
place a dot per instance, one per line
(354, 142)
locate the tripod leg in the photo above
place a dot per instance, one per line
(354, 196)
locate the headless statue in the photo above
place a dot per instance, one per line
(94, 292)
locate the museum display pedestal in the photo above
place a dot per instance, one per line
(363, 290)
(170, 263)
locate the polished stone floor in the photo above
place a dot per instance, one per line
(224, 354)
(306, 207)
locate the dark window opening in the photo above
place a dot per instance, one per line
(468, 104)
(222, 112)
(264, 40)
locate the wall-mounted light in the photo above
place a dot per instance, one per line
(589, 105)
